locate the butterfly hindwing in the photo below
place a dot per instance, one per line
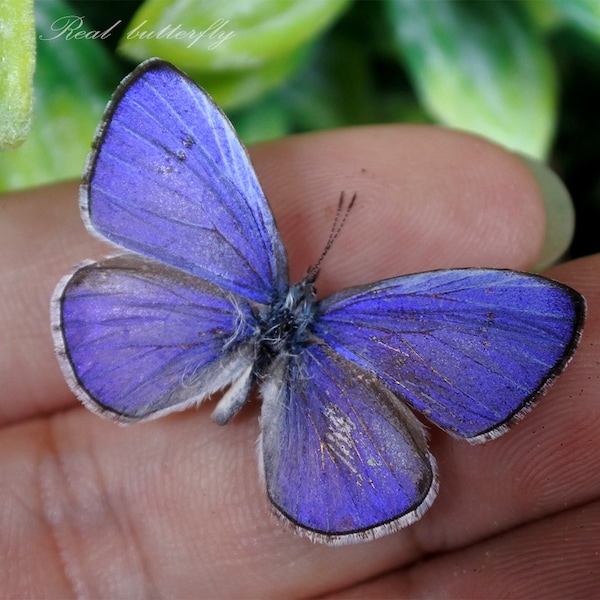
(137, 339)
(343, 458)
(468, 348)
(169, 179)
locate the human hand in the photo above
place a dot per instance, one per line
(174, 507)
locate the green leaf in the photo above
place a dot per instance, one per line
(72, 83)
(480, 67)
(17, 63)
(221, 35)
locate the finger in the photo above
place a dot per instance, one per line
(162, 508)
(550, 558)
(427, 198)
(42, 237)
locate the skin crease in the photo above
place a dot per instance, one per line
(175, 507)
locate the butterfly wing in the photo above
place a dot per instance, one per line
(343, 458)
(169, 178)
(137, 339)
(468, 348)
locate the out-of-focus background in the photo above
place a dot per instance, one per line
(524, 73)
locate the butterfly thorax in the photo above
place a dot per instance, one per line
(286, 326)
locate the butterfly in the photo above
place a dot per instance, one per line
(201, 302)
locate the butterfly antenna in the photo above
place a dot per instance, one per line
(339, 220)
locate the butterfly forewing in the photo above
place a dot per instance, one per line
(468, 348)
(170, 179)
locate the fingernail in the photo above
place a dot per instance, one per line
(560, 214)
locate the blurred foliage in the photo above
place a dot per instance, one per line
(72, 82)
(480, 67)
(17, 61)
(524, 74)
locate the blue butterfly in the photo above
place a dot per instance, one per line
(202, 303)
